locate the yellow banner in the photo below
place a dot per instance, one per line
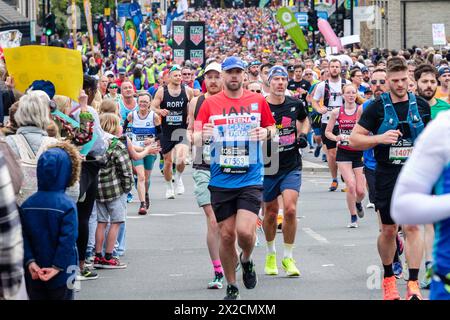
(59, 65)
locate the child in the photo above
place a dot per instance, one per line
(115, 181)
(50, 226)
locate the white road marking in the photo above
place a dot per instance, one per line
(176, 275)
(134, 217)
(349, 245)
(328, 265)
(315, 235)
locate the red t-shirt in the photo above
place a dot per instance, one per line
(250, 102)
(236, 162)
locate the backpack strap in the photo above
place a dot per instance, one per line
(25, 151)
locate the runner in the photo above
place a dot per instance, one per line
(143, 125)
(378, 86)
(331, 93)
(444, 80)
(298, 86)
(237, 120)
(283, 175)
(171, 103)
(202, 174)
(426, 77)
(395, 122)
(421, 196)
(349, 160)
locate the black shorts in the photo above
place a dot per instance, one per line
(329, 143)
(385, 180)
(355, 157)
(226, 202)
(168, 143)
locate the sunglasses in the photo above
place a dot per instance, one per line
(374, 82)
(186, 74)
(308, 74)
(113, 87)
(175, 68)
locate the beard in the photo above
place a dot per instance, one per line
(427, 94)
(254, 73)
(233, 86)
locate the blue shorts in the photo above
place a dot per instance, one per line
(317, 131)
(438, 291)
(275, 185)
(147, 162)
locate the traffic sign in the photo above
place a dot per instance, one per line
(302, 19)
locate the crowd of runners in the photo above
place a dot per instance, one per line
(376, 118)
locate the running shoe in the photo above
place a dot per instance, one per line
(142, 209)
(170, 194)
(324, 158)
(311, 149)
(279, 223)
(179, 189)
(232, 293)
(248, 273)
(398, 269)
(359, 210)
(271, 268)
(413, 291)
(317, 151)
(147, 201)
(370, 205)
(334, 186)
(352, 225)
(129, 197)
(217, 282)
(390, 291)
(426, 281)
(89, 261)
(289, 266)
(87, 274)
(98, 262)
(113, 263)
(344, 189)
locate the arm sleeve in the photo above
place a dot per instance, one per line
(368, 117)
(412, 201)
(267, 119)
(318, 94)
(67, 239)
(302, 115)
(124, 169)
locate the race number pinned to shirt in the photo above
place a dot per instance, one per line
(174, 118)
(400, 152)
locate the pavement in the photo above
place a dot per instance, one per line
(168, 259)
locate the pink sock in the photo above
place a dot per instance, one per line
(217, 266)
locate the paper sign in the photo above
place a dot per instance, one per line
(350, 39)
(10, 39)
(59, 65)
(439, 38)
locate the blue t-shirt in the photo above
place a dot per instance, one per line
(369, 156)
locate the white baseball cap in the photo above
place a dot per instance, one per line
(214, 66)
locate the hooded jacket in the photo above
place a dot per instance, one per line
(49, 216)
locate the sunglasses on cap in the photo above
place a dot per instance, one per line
(374, 82)
(175, 68)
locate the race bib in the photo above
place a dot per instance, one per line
(234, 159)
(207, 152)
(345, 140)
(174, 119)
(400, 152)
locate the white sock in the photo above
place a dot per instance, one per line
(288, 248)
(280, 212)
(169, 184)
(271, 247)
(177, 176)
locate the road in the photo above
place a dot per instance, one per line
(167, 255)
